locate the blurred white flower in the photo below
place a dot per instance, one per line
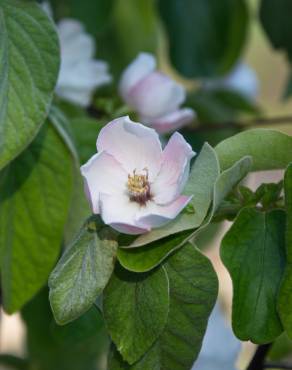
(220, 348)
(154, 96)
(241, 79)
(131, 182)
(80, 74)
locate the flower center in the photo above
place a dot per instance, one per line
(139, 187)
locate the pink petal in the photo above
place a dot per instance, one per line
(143, 65)
(103, 174)
(133, 145)
(174, 171)
(154, 215)
(155, 96)
(120, 213)
(173, 121)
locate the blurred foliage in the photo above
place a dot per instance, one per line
(205, 37)
(78, 345)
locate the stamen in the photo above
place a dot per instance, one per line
(139, 187)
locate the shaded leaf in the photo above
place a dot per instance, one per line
(35, 192)
(136, 309)
(205, 36)
(275, 18)
(82, 273)
(78, 345)
(253, 251)
(29, 56)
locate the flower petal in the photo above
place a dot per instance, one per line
(103, 174)
(133, 145)
(143, 65)
(77, 82)
(154, 215)
(155, 96)
(120, 213)
(173, 121)
(174, 170)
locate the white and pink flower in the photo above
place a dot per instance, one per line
(154, 96)
(131, 182)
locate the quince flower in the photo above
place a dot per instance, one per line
(131, 182)
(80, 73)
(241, 79)
(154, 96)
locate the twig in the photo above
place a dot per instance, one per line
(258, 360)
(200, 126)
(271, 365)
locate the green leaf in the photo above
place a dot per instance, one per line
(269, 149)
(78, 345)
(253, 251)
(205, 36)
(85, 131)
(200, 184)
(29, 56)
(150, 255)
(82, 273)
(136, 309)
(193, 289)
(276, 21)
(35, 191)
(285, 296)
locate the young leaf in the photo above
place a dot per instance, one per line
(203, 175)
(269, 149)
(136, 310)
(253, 251)
(205, 36)
(285, 296)
(29, 54)
(193, 288)
(82, 273)
(35, 192)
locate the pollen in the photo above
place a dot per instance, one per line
(139, 187)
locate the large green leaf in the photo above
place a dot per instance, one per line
(205, 36)
(276, 20)
(29, 56)
(285, 296)
(35, 191)
(269, 149)
(136, 309)
(253, 251)
(78, 345)
(193, 289)
(82, 273)
(150, 255)
(200, 184)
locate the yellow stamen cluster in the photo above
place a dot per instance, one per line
(138, 187)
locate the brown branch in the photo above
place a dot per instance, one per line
(258, 360)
